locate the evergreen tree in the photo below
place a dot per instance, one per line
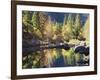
(26, 20)
(38, 21)
(35, 20)
(77, 26)
(48, 29)
(65, 20)
(86, 29)
(67, 28)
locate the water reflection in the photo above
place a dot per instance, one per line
(54, 58)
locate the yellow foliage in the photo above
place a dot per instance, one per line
(38, 33)
(87, 29)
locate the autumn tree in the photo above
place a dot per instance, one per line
(86, 29)
(26, 21)
(38, 21)
(36, 25)
(67, 28)
(77, 27)
(48, 29)
(65, 19)
(35, 20)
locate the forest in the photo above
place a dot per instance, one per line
(51, 39)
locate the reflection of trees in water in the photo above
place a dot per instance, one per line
(46, 58)
(54, 58)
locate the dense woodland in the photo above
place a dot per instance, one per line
(39, 30)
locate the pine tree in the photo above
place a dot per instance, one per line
(26, 20)
(86, 29)
(65, 19)
(67, 28)
(48, 29)
(38, 21)
(35, 20)
(77, 26)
